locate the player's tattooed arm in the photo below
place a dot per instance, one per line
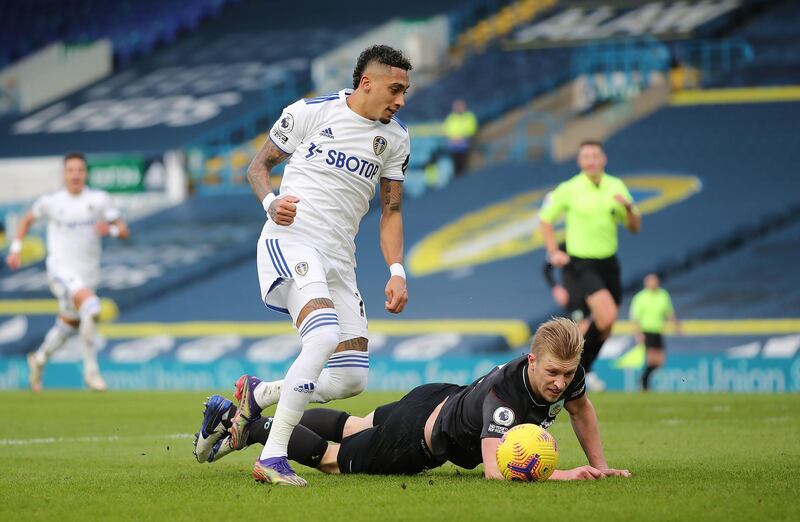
(283, 210)
(392, 242)
(391, 196)
(392, 221)
(258, 172)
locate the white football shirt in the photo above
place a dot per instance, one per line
(73, 245)
(338, 158)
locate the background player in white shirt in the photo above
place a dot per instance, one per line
(341, 145)
(77, 217)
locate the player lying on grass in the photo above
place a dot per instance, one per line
(436, 423)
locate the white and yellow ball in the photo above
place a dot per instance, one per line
(527, 453)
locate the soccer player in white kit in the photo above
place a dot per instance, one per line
(341, 146)
(77, 217)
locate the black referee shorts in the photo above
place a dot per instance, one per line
(653, 340)
(397, 445)
(593, 275)
(576, 306)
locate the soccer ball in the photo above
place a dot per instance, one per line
(527, 453)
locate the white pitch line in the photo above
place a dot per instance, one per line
(68, 440)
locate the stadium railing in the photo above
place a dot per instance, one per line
(714, 59)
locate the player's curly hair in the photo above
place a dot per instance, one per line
(381, 54)
(559, 337)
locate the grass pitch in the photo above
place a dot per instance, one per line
(83, 456)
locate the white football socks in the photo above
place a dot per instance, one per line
(55, 339)
(333, 383)
(87, 330)
(345, 376)
(320, 337)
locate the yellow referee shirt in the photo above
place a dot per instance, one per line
(591, 214)
(651, 309)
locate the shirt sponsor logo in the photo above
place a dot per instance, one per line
(503, 416)
(313, 149)
(283, 138)
(352, 163)
(494, 428)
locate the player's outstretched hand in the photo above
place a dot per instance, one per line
(13, 261)
(581, 473)
(283, 210)
(609, 472)
(396, 295)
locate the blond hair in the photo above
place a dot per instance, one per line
(559, 337)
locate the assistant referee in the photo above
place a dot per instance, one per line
(593, 204)
(650, 310)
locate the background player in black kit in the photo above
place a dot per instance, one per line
(435, 423)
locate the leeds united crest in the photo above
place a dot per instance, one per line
(379, 145)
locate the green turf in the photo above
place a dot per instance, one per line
(694, 457)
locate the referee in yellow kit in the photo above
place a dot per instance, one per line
(650, 310)
(593, 204)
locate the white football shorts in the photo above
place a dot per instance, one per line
(286, 271)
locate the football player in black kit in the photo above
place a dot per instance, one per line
(436, 423)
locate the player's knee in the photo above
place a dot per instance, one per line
(321, 329)
(352, 382)
(329, 463)
(606, 319)
(340, 383)
(321, 342)
(89, 308)
(66, 326)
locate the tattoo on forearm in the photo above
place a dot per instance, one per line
(392, 196)
(259, 171)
